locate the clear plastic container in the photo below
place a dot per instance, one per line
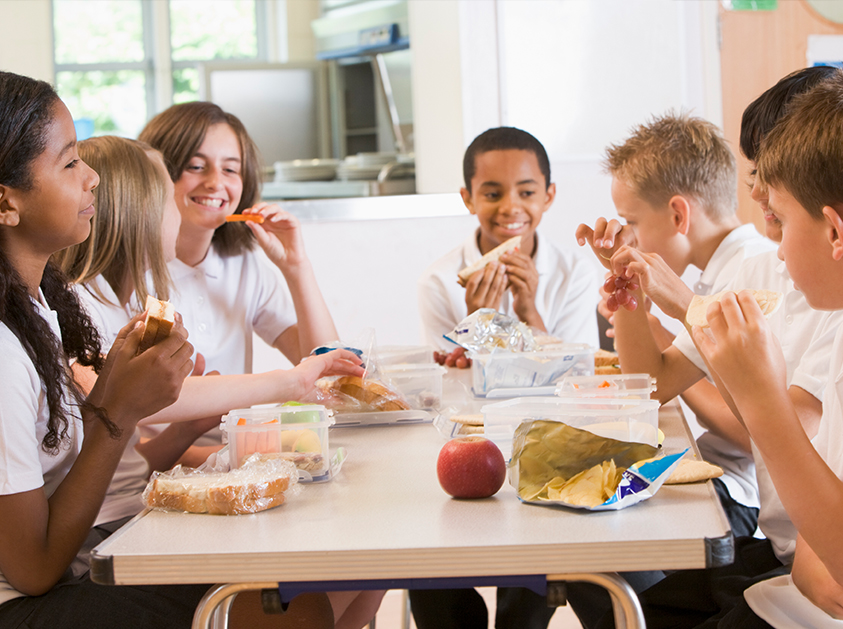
(622, 419)
(520, 370)
(420, 384)
(627, 385)
(297, 433)
(401, 354)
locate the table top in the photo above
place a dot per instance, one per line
(384, 516)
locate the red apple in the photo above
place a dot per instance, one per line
(471, 467)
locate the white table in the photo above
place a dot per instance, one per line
(385, 517)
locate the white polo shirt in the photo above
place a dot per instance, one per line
(24, 415)
(741, 244)
(224, 300)
(778, 600)
(123, 497)
(566, 296)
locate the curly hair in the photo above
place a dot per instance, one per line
(27, 108)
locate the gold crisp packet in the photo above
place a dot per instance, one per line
(556, 462)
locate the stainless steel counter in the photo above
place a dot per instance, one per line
(374, 208)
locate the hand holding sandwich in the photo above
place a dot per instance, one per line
(523, 283)
(485, 288)
(743, 352)
(131, 385)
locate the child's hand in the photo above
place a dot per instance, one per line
(486, 287)
(337, 362)
(456, 358)
(133, 386)
(279, 235)
(743, 351)
(606, 238)
(656, 278)
(813, 579)
(523, 282)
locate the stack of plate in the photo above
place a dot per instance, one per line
(307, 170)
(352, 170)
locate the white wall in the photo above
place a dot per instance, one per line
(26, 46)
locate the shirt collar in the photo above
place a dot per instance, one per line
(725, 251)
(211, 266)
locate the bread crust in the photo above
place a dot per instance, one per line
(160, 318)
(202, 495)
(493, 255)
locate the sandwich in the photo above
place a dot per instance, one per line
(370, 393)
(160, 318)
(220, 493)
(768, 300)
(506, 247)
(606, 363)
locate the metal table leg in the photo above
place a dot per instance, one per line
(625, 603)
(222, 595)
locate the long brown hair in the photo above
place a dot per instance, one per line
(179, 131)
(125, 238)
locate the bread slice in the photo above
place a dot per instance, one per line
(370, 392)
(224, 493)
(603, 358)
(768, 300)
(505, 247)
(160, 318)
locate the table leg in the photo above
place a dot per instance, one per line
(627, 608)
(222, 595)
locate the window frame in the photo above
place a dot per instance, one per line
(158, 65)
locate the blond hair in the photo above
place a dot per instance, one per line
(677, 154)
(804, 152)
(125, 240)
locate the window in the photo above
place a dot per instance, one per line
(118, 62)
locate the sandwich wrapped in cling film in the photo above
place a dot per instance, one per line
(487, 331)
(556, 464)
(257, 485)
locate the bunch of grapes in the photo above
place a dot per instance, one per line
(618, 289)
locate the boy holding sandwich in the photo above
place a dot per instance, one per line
(508, 189)
(800, 162)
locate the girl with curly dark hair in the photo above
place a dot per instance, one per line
(59, 448)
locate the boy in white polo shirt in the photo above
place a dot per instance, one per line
(689, 598)
(801, 162)
(674, 182)
(508, 189)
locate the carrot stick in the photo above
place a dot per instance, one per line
(239, 218)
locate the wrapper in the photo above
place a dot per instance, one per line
(487, 331)
(556, 464)
(257, 485)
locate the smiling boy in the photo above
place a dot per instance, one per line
(508, 189)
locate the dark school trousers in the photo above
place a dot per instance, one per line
(713, 597)
(517, 608)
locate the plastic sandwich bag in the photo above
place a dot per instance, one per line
(257, 485)
(556, 464)
(486, 331)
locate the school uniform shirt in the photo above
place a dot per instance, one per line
(24, 415)
(222, 301)
(124, 495)
(741, 244)
(778, 601)
(566, 295)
